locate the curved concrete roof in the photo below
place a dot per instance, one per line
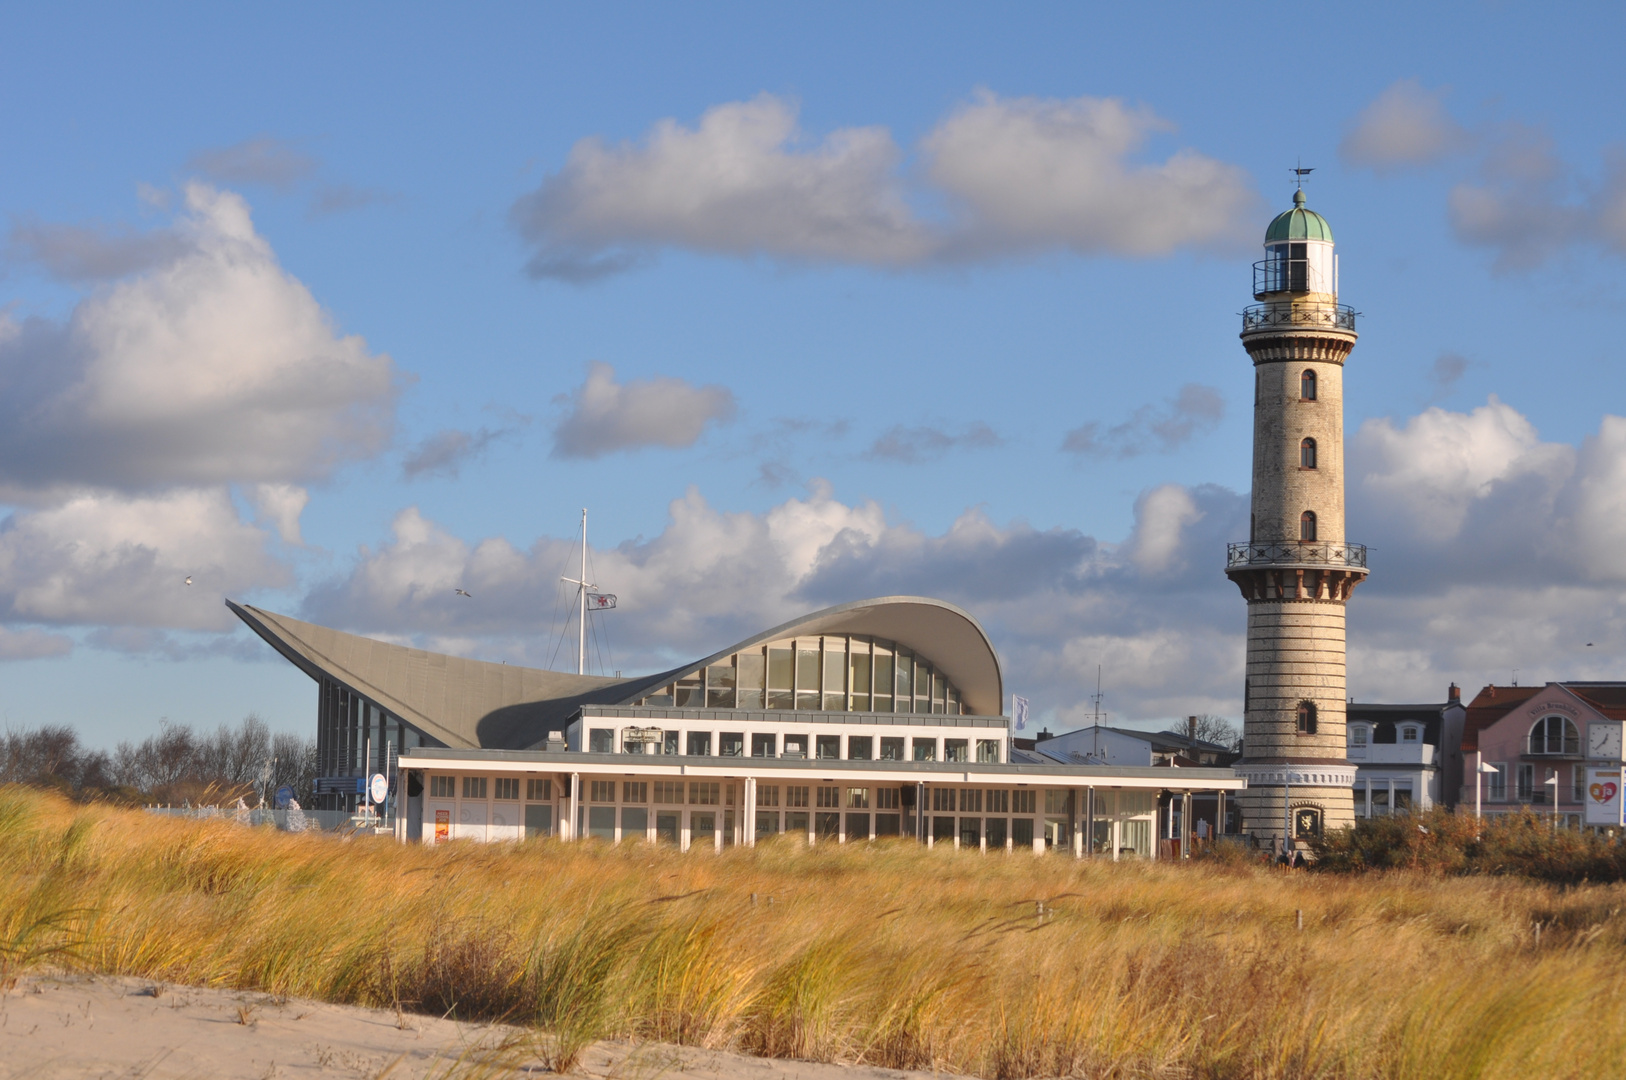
(948, 636)
(475, 703)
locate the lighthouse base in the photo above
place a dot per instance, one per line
(1300, 802)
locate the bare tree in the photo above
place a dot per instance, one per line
(1218, 730)
(173, 765)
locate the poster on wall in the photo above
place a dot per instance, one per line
(1603, 796)
(443, 825)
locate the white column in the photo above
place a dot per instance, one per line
(749, 825)
(1079, 795)
(575, 802)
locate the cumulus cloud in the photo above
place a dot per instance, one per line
(739, 183)
(260, 160)
(1407, 125)
(605, 416)
(929, 442)
(280, 505)
(84, 253)
(217, 366)
(115, 560)
(1195, 410)
(197, 368)
(1056, 600)
(1035, 173)
(1021, 175)
(1491, 549)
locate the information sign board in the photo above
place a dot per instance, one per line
(1603, 796)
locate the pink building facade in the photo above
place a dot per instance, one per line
(1537, 741)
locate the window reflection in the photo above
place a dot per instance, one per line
(848, 673)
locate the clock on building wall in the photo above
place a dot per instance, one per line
(1603, 739)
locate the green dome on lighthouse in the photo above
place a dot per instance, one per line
(1298, 224)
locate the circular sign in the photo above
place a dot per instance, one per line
(284, 796)
(378, 787)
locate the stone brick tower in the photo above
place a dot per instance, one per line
(1296, 572)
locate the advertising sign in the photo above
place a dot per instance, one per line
(443, 825)
(1603, 796)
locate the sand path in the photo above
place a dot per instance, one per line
(90, 1028)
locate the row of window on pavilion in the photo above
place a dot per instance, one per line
(846, 673)
(795, 745)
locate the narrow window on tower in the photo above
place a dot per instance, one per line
(1306, 718)
(1307, 525)
(1307, 455)
(1307, 385)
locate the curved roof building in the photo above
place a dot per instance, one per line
(876, 718)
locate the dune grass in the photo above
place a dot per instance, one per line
(885, 954)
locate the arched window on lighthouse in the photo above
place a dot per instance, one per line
(1307, 525)
(1307, 457)
(1306, 718)
(1307, 385)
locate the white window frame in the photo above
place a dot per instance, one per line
(1496, 786)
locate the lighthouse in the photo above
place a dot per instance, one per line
(1296, 570)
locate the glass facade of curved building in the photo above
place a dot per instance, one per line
(830, 673)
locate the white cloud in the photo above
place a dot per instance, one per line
(280, 505)
(740, 183)
(217, 366)
(119, 560)
(606, 416)
(1405, 126)
(1035, 173)
(1022, 175)
(1491, 549)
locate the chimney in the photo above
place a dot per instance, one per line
(1453, 696)
(1191, 728)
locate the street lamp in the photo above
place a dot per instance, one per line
(1484, 770)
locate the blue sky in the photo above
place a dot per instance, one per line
(804, 305)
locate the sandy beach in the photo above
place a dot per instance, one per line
(98, 1028)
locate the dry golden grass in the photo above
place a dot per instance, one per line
(886, 954)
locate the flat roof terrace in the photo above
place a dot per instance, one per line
(942, 772)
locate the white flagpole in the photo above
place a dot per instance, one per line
(581, 592)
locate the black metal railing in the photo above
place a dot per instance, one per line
(1265, 316)
(1286, 275)
(1292, 553)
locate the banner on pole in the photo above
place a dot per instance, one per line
(1603, 796)
(601, 601)
(1019, 712)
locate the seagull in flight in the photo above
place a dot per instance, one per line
(189, 579)
(460, 592)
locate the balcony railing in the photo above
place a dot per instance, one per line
(1293, 553)
(1267, 316)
